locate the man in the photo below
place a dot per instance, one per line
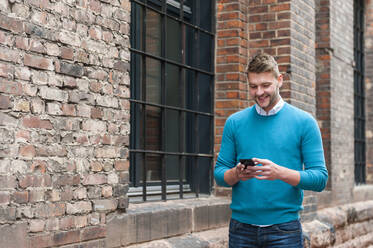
(285, 145)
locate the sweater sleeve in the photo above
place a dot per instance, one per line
(227, 155)
(315, 175)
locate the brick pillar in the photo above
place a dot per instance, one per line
(286, 30)
(231, 60)
(323, 68)
(335, 95)
(369, 88)
(342, 98)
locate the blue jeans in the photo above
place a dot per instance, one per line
(283, 235)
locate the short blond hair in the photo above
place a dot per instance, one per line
(263, 62)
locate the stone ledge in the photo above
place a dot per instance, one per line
(363, 192)
(340, 225)
(158, 220)
(362, 241)
(349, 225)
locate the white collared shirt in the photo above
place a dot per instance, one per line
(273, 111)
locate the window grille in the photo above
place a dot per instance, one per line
(172, 96)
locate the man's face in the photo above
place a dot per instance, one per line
(264, 88)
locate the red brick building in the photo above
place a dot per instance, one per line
(112, 111)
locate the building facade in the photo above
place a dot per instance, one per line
(112, 111)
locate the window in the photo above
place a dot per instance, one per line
(359, 95)
(172, 95)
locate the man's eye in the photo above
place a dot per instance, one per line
(253, 86)
(266, 85)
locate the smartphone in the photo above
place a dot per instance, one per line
(247, 162)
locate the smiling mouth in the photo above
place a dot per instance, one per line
(262, 98)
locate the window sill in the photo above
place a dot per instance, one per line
(156, 220)
(363, 192)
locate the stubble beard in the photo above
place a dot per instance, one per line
(273, 99)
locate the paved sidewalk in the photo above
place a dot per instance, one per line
(217, 238)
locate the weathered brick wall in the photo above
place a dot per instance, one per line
(64, 119)
(369, 88)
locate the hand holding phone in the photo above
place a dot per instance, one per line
(247, 162)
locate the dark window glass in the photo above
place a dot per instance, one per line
(171, 148)
(205, 61)
(174, 89)
(153, 32)
(205, 13)
(152, 81)
(173, 40)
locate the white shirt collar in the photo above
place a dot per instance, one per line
(273, 111)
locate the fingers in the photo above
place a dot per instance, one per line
(262, 178)
(261, 161)
(245, 174)
(266, 170)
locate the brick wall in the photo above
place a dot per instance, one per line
(64, 119)
(303, 55)
(231, 60)
(369, 88)
(286, 30)
(270, 31)
(323, 91)
(336, 96)
(342, 99)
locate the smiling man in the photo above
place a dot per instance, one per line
(285, 145)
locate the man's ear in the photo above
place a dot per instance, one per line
(280, 79)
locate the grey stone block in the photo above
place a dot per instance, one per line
(121, 230)
(14, 236)
(72, 69)
(179, 221)
(143, 227)
(201, 218)
(158, 222)
(219, 215)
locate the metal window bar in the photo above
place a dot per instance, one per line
(144, 163)
(212, 90)
(182, 110)
(184, 154)
(181, 92)
(359, 94)
(163, 101)
(171, 107)
(196, 101)
(168, 61)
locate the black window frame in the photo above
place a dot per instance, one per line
(359, 93)
(192, 155)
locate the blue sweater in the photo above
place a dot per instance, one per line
(290, 138)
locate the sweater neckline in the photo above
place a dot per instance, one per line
(269, 116)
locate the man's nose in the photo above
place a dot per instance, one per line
(259, 91)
